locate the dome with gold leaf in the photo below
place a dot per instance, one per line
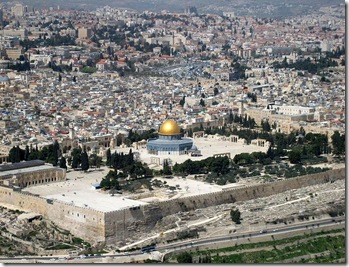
(169, 127)
(169, 141)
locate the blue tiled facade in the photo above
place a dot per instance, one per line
(169, 144)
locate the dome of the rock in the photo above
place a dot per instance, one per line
(170, 141)
(169, 127)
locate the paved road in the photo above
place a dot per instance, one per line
(273, 231)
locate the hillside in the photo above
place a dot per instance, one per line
(272, 9)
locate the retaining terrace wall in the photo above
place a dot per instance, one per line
(96, 226)
(123, 223)
(83, 222)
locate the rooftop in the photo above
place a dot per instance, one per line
(26, 170)
(78, 190)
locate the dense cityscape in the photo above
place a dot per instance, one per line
(152, 107)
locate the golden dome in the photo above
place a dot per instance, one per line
(169, 127)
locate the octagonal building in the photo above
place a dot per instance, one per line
(169, 141)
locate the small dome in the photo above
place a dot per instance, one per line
(169, 127)
(194, 147)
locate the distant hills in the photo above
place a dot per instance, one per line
(258, 8)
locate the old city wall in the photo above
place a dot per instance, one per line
(27, 202)
(124, 223)
(95, 226)
(248, 192)
(83, 222)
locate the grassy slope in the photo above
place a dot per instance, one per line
(321, 247)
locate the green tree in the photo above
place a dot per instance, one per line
(215, 91)
(63, 163)
(113, 176)
(166, 168)
(16, 154)
(295, 156)
(76, 157)
(190, 132)
(270, 153)
(108, 163)
(75, 162)
(85, 165)
(338, 143)
(27, 153)
(129, 158)
(105, 183)
(95, 161)
(88, 70)
(219, 165)
(235, 215)
(243, 159)
(202, 102)
(185, 257)
(182, 101)
(111, 180)
(266, 125)
(55, 153)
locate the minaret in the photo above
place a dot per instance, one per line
(241, 110)
(71, 131)
(112, 142)
(242, 107)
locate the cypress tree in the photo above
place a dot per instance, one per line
(84, 161)
(27, 153)
(75, 162)
(108, 157)
(18, 154)
(63, 163)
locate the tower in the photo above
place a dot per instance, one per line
(241, 109)
(71, 131)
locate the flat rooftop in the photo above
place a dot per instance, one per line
(26, 170)
(20, 165)
(78, 190)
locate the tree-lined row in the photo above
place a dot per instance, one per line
(217, 165)
(49, 154)
(312, 66)
(127, 164)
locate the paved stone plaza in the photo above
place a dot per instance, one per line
(208, 147)
(78, 187)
